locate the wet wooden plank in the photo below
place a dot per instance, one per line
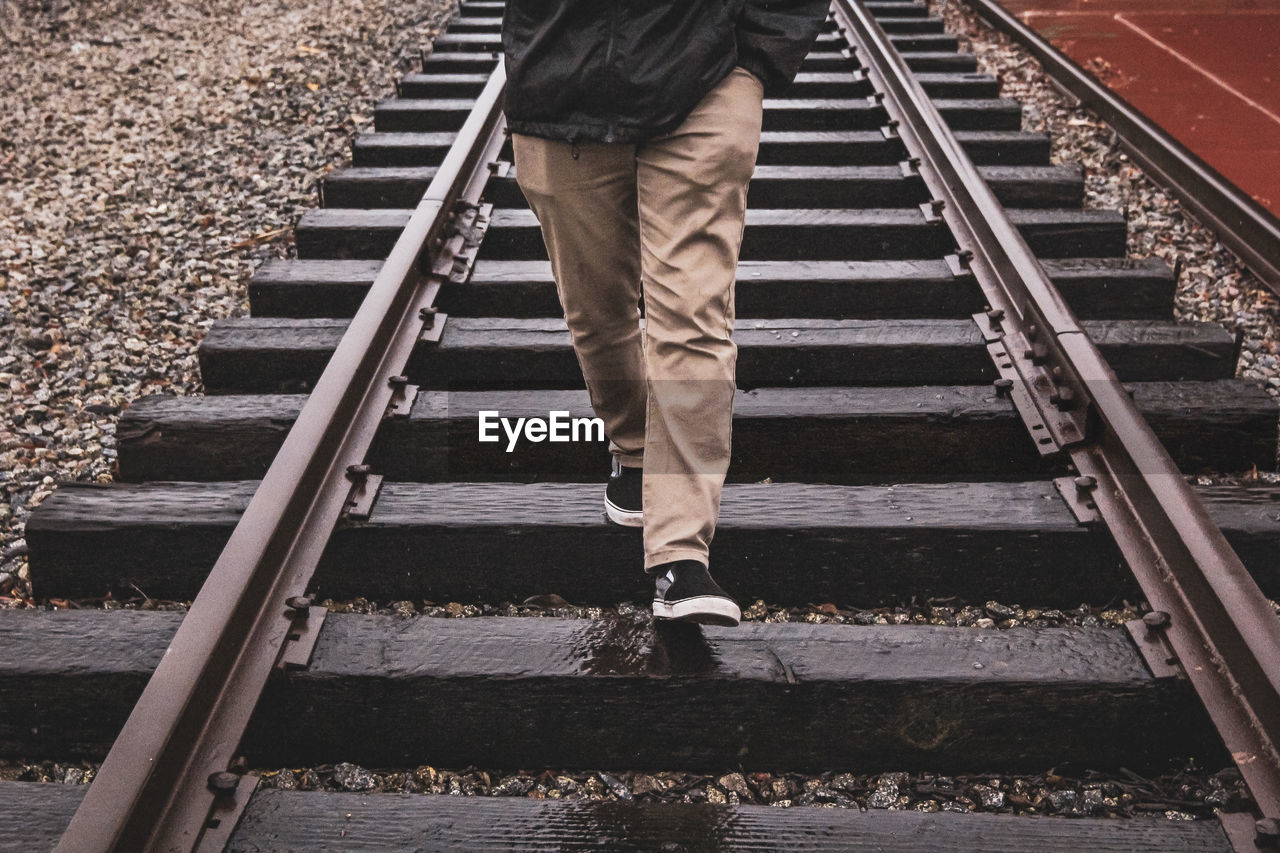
(861, 114)
(828, 148)
(1072, 233)
(310, 288)
(435, 115)
(458, 62)
(824, 234)
(917, 60)
(36, 814)
(302, 288)
(904, 42)
(267, 354)
(491, 24)
(421, 115)
(606, 692)
(448, 42)
(1005, 147)
(514, 234)
(1096, 288)
(300, 820)
(453, 823)
(832, 43)
(937, 84)
(376, 186)
(771, 186)
(786, 543)
(807, 84)
(337, 233)
(934, 433)
(401, 149)
(1031, 187)
(1116, 287)
(436, 84)
(480, 8)
(895, 9)
(770, 234)
(908, 43)
(909, 23)
(958, 84)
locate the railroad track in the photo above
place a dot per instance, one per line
(901, 431)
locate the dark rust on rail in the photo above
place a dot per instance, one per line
(1220, 627)
(167, 783)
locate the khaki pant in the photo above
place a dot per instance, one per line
(665, 218)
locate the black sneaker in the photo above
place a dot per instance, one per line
(686, 592)
(623, 503)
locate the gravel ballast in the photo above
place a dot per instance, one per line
(152, 155)
(1180, 793)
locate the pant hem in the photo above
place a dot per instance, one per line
(660, 557)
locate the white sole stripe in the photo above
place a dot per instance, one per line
(625, 517)
(721, 610)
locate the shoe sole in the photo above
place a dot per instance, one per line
(625, 517)
(701, 609)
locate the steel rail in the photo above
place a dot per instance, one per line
(1245, 227)
(166, 784)
(1209, 613)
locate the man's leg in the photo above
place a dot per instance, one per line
(584, 196)
(692, 186)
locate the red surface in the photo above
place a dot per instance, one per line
(1208, 71)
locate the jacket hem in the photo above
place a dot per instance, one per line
(772, 86)
(576, 132)
(600, 132)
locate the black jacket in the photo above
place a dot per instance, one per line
(627, 70)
